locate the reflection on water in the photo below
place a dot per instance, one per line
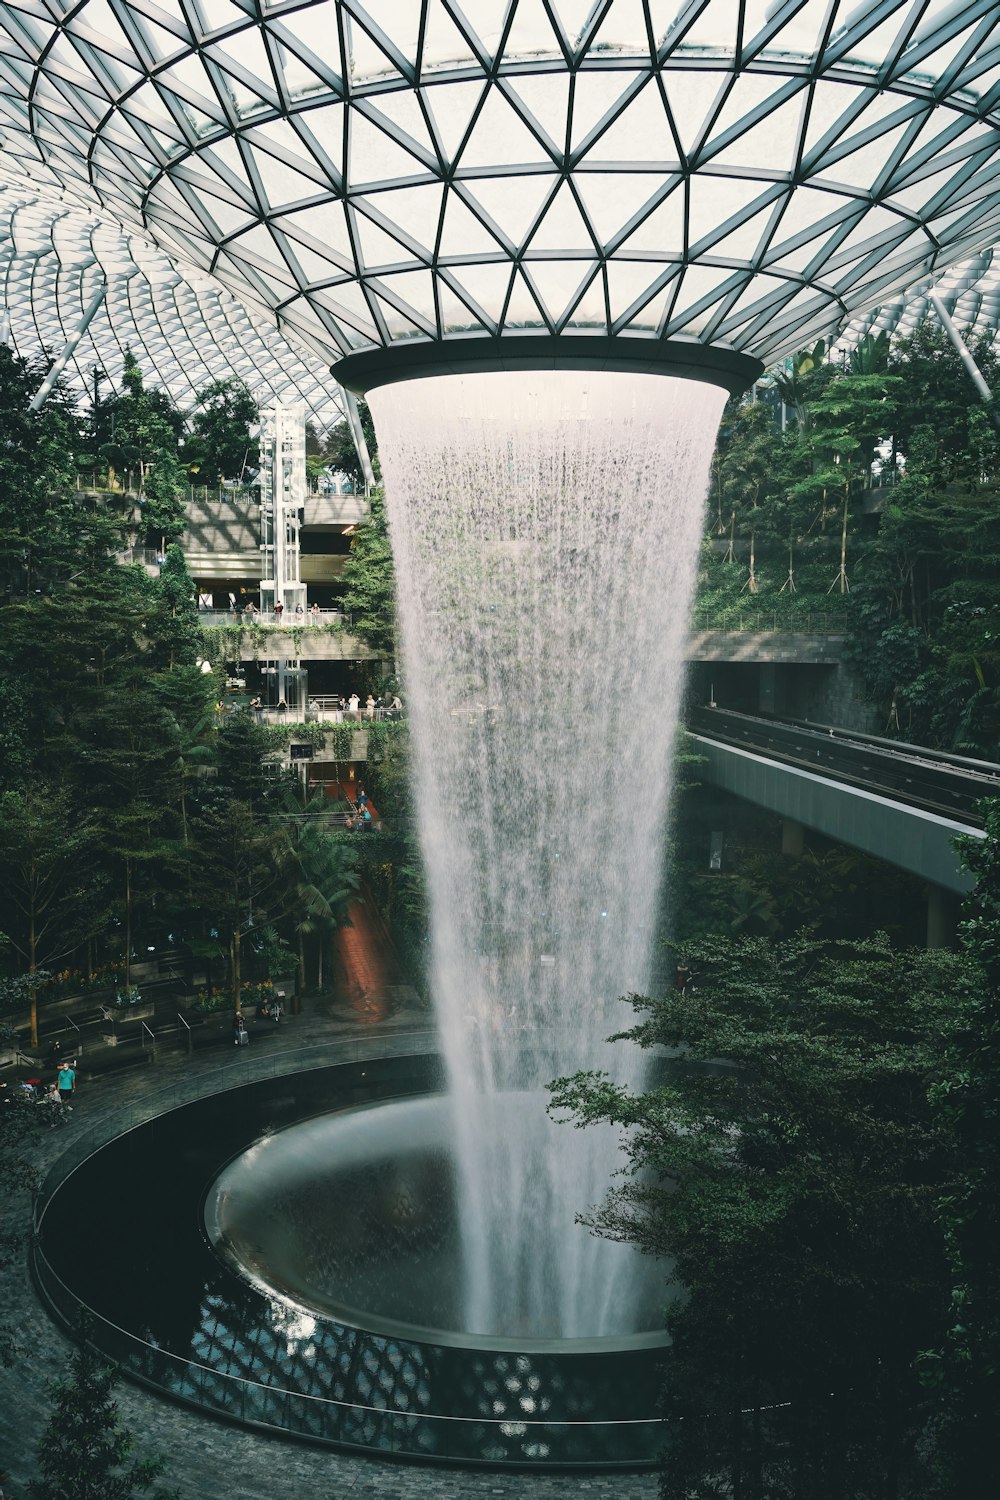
(126, 1234)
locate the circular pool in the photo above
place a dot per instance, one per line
(286, 1254)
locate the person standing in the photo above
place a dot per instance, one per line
(278, 607)
(314, 614)
(67, 1082)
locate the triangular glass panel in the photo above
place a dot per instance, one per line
(802, 32)
(623, 27)
(228, 219)
(415, 210)
(714, 201)
(374, 157)
(401, 109)
(315, 268)
(215, 13)
(640, 134)
(775, 140)
(573, 16)
(401, 23)
(443, 41)
(323, 225)
(628, 280)
(546, 98)
(522, 311)
(715, 29)
(762, 293)
(399, 326)
(487, 20)
(513, 203)
(297, 75)
(452, 107)
(662, 231)
(557, 283)
(862, 168)
(745, 242)
(415, 290)
(700, 283)
(563, 226)
(589, 309)
(595, 96)
(463, 235)
(808, 210)
(750, 96)
(280, 183)
(347, 300)
(455, 316)
(691, 97)
(322, 131)
(377, 247)
(651, 314)
(500, 127)
(531, 33)
(832, 107)
(486, 286)
(366, 58)
(612, 199)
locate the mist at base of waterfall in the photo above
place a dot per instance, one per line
(545, 528)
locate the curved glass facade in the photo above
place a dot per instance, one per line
(746, 173)
(56, 261)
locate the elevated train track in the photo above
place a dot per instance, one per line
(934, 781)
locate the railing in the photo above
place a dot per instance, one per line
(790, 622)
(495, 1441)
(284, 621)
(373, 1429)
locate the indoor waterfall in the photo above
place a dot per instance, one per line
(545, 527)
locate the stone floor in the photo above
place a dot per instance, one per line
(205, 1457)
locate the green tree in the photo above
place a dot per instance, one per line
(790, 1163)
(369, 581)
(219, 445)
(45, 858)
(340, 454)
(964, 1372)
(85, 1454)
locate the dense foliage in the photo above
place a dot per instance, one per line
(793, 1165)
(131, 812)
(85, 1453)
(871, 489)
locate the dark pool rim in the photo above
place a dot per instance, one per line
(395, 1433)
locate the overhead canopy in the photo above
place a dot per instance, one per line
(745, 173)
(185, 331)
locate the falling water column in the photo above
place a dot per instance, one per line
(545, 528)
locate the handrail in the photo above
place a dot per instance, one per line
(502, 1423)
(151, 1034)
(825, 622)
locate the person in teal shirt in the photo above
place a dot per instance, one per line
(67, 1083)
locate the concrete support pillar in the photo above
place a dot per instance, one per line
(942, 916)
(792, 836)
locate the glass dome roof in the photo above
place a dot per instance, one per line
(185, 331)
(745, 173)
(970, 292)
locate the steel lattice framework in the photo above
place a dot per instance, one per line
(743, 173)
(57, 263)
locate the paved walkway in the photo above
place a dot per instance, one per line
(208, 1458)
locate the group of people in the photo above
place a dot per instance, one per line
(360, 817)
(278, 609)
(372, 708)
(60, 1087)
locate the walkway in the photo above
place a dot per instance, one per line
(206, 1458)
